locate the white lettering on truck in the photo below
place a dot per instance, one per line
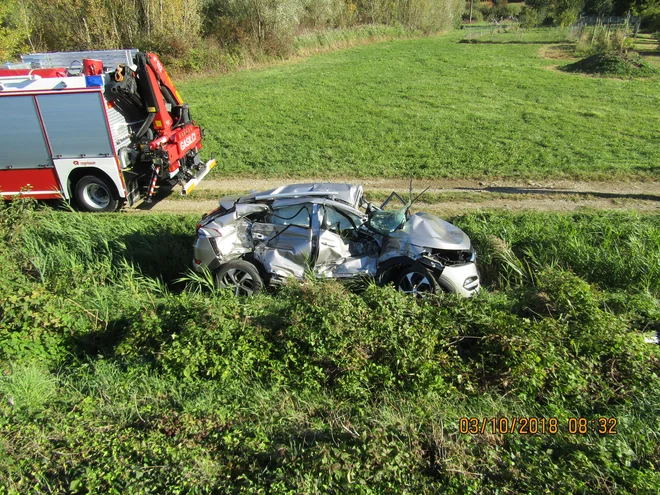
(188, 141)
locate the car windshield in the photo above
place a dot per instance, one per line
(386, 222)
(389, 217)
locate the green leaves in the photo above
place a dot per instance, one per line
(114, 381)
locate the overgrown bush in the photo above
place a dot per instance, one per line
(117, 382)
(530, 18)
(486, 9)
(601, 39)
(514, 9)
(477, 16)
(169, 28)
(614, 64)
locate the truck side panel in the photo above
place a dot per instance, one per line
(44, 137)
(22, 141)
(40, 183)
(87, 166)
(76, 125)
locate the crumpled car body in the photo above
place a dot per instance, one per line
(321, 229)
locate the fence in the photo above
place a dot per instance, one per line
(512, 32)
(607, 26)
(592, 20)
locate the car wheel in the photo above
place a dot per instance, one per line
(415, 281)
(240, 276)
(95, 194)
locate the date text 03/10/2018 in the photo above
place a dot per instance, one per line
(534, 426)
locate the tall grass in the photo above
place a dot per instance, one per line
(613, 250)
(215, 34)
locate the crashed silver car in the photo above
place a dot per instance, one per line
(331, 231)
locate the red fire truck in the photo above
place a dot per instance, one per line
(97, 135)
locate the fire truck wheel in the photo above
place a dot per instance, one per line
(95, 194)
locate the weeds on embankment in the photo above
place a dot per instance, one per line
(116, 379)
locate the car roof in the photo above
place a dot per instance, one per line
(346, 193)
(281, 203)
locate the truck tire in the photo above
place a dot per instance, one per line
(240, 276)
(96, 194)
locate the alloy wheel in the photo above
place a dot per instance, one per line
(415, 283)
(240, 280)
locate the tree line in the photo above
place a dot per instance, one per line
(566, 12)
(175, 27)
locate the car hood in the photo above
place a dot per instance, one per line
(426, 230)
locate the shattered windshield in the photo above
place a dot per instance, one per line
(386, 220)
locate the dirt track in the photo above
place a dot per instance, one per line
(450, 197)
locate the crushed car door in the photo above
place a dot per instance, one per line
(346, 248)
(283, 240)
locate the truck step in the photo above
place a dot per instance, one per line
(192, 183)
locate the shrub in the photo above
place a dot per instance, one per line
(314, 388)
(614, 64)
(530, 17)
(27, 388)
(34, 325)
(477, 16)
(486, 9)
(271, 27)
(514, 9)
(498, 13)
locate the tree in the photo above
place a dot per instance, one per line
(599, 7)
(558, 12)
(14, 29)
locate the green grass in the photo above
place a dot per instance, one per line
(113, 379)
(430, 108)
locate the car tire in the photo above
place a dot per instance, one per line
(415, 280)
(241, 276)
(95, 194)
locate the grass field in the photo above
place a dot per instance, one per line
(431, 108)
(116, 378)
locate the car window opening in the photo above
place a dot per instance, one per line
(270, 216)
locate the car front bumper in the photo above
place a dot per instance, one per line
(461, 279)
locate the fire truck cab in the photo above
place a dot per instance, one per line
(102, 137)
